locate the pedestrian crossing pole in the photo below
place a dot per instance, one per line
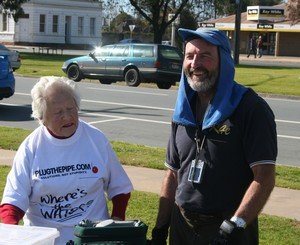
(237, 31)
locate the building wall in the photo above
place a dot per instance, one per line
(27, 29)
(289, 44)
(7, 34)
(244, 38)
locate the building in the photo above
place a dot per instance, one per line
(281, 36)
(67, 22)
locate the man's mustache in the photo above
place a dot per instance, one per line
(198, 69)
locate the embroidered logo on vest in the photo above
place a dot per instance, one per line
(223, 129)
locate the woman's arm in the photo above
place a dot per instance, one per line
(119, 206)
(10, 214)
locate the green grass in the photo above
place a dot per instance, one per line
(42, 65)
(270, 80)
(140, 155)
(11, 138)
(288, 177)
(275, 230)
(143, 206)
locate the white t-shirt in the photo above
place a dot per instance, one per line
(59, 182)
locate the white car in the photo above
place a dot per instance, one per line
(13, 56)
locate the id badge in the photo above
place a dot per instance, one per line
(196, 171)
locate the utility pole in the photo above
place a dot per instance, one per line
(237, 31)
(170, 16)
(173, 34)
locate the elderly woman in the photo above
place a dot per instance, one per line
(63, 169)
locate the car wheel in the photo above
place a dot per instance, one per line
(74, 73)
(132, 78)
(105, 81)
(164, 85)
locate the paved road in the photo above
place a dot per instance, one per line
(142, 115)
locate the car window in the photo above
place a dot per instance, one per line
(103, 51)
(143, 51)
(120, 50)
(170, 53)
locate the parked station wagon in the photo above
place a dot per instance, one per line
(132, 62)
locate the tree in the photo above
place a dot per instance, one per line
(156, 13)
(293, 10)
(203, 9)
(14, 7)
(121, 22)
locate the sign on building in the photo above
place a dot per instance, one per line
(265, 26)
(265, 13)
(206, 25)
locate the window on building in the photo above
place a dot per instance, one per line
(80, 26)
(92, 26)
(55, 24)
(42, 22)
(4, 22)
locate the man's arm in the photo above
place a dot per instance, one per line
(256, 196)
(257, 193)
(167, 198)
(166, 203)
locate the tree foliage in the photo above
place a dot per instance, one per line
(14, 7)
(156, 13)
(293, 10)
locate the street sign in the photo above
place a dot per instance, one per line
(131, 27)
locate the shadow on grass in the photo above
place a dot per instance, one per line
(270, 79)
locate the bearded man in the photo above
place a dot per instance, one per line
(221, 153)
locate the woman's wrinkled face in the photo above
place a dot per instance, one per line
(201, 65)
(61, 116)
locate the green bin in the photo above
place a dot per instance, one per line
(109, 232)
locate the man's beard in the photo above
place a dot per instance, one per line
(202, 85)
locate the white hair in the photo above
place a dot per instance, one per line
(38, 94)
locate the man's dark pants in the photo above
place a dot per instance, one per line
(194, 229)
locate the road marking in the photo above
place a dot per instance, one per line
(129, 105)
(15, 105)
(108, 120)
(23, 94)
(162, 108)
(127, 91)
(152, 107)
(115, 103)
(289, 137)
(124, 118)
(286, 121)
(282, 99)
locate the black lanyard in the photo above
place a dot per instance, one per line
(199, 142)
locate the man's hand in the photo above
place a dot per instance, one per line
(228, 234)
(159, 236)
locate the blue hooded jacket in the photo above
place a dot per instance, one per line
(228, 93)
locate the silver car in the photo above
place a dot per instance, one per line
(13, 56)
(130, 62)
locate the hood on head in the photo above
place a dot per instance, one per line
(228, 93)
